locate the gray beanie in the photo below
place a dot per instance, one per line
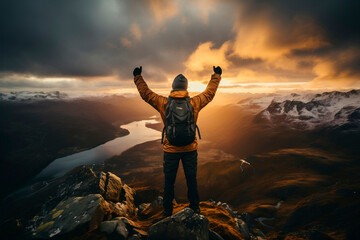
(180, 83)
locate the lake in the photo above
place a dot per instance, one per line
(139, 133)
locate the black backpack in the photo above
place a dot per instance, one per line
(180, 126)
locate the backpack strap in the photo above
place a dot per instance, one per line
(162, 135)
(198, 131)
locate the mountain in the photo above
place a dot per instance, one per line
(87, 204)
(270, 122)
(329, 109)
(258, 179)
(28, 96)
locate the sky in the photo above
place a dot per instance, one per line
(261, 45)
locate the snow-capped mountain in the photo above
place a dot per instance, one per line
(262, 102)
(23, 96)
(310, 111)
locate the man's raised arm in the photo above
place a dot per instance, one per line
(207, 96)
(149, 96)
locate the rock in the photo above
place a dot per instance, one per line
(247, 218)
(127, 200)
(259, 233)
(111, 186)
(140, 232)
(214, 235)
(264, 211)
(129, 224)
(134, 237)
(121, 231)
(115, 229)
(82, 181)
(74, 213)
(143, 207)
(243, 228)
(184, 225)
(108, 227)
(158, 202)
(228, 209)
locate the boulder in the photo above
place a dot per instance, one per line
(121, 232)
(75, 213)
(228, 209)
(214, 235)
(243, 228)
(115, 229)
(82, 181)
(127, 199)
(184, 225)
(108, 227)
(134, 237)
(110, 186)
(143, 207)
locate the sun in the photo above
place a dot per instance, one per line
(196, 86)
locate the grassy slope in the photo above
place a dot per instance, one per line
(315, 186)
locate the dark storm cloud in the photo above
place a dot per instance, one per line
(94, 38)
(83, 38)
(336, 21)
(339, 19)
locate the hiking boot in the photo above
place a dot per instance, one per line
(196, 209)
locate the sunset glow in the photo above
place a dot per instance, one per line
(261, 47)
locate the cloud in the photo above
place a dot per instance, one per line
(135, 31)
(280, 41)
(206, 56)
(163, 9)
(253, 40)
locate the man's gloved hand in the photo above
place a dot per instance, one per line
(137, 71)
(217, 70)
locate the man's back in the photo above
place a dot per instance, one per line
(159, 103)
(173, 154)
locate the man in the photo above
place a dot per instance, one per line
(173, 154)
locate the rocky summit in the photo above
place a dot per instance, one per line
(90, 205)
(183, 225)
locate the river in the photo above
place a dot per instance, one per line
(139, 133)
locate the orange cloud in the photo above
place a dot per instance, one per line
(327, 69)
(206, 56)
(261, 39)
(163, 9)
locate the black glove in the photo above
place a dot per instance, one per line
(217, 70)
(137, 71)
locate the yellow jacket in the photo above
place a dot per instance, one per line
(159, 103)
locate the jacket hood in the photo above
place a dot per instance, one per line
(179, 94)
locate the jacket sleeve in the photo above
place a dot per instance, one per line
(207, 96)
(155, 100)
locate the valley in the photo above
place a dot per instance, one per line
(293, 182)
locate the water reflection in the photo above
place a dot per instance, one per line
(139, 133)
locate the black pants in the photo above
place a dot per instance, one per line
(171, 164)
